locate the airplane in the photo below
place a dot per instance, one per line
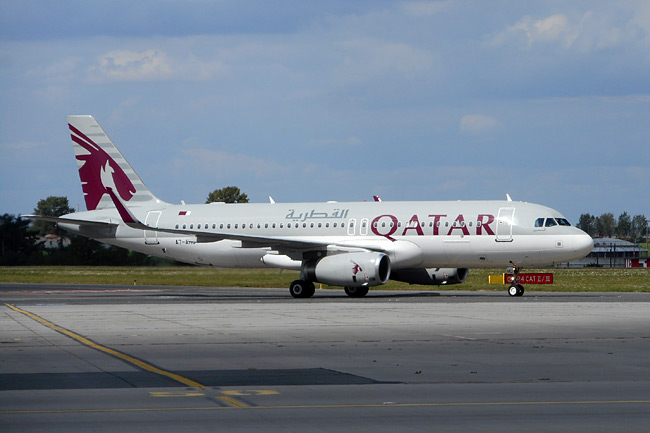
(356, 245)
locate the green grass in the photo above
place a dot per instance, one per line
(156, 276)
(565, 280)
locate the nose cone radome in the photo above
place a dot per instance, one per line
(583, 244)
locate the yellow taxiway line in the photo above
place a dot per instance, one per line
(125, 357)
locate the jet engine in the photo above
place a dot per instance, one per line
(431, 276)
(349, 269)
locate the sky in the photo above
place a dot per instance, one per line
(548, 101)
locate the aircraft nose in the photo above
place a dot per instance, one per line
(583, 244)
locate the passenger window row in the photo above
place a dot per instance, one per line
(259, 226)
(375, 224)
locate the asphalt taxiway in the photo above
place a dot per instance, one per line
(138, 358)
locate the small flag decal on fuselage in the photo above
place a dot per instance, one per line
(184, 212)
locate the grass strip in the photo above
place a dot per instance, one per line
(566, 280)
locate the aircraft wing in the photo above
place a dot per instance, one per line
(248, 241)
(292, 247)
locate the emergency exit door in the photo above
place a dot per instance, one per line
(151, 236)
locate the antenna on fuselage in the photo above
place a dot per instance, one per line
(508, 197)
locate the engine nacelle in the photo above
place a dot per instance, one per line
(349, 269)
(431, 276)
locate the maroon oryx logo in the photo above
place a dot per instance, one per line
(356, 268)
(99, 171)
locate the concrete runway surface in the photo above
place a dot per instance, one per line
(125, 358)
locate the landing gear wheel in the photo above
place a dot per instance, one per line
(516, 290)
(302, 289)
(356, 292)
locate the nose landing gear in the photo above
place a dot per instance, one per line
(515, 289)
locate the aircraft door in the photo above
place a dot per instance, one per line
(150, 236)
(363, 231)
(504, 224)
(352, 222)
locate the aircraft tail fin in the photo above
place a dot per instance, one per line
(102, 167)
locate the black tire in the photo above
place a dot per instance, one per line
(356, 292)
(310, 289)
(520, 290)
(513, 290)
(302, 289)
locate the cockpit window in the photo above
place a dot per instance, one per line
(550, 222)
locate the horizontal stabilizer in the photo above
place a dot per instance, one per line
(60, 220)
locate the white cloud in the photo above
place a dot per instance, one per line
(550, 28)
(554, 28)
(150, 65)
(476, 124)
(591, 30)
(126, 65)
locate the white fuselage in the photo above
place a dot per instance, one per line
(459, 234)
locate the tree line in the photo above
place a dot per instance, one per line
(23, 242)
(634, 229)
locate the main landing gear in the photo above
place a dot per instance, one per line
(302, 289)
(356, 292)
(306, 289)
(515, 289)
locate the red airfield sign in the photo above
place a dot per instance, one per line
(532, 278)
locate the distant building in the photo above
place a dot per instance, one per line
(613, 253)
(53, 241)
